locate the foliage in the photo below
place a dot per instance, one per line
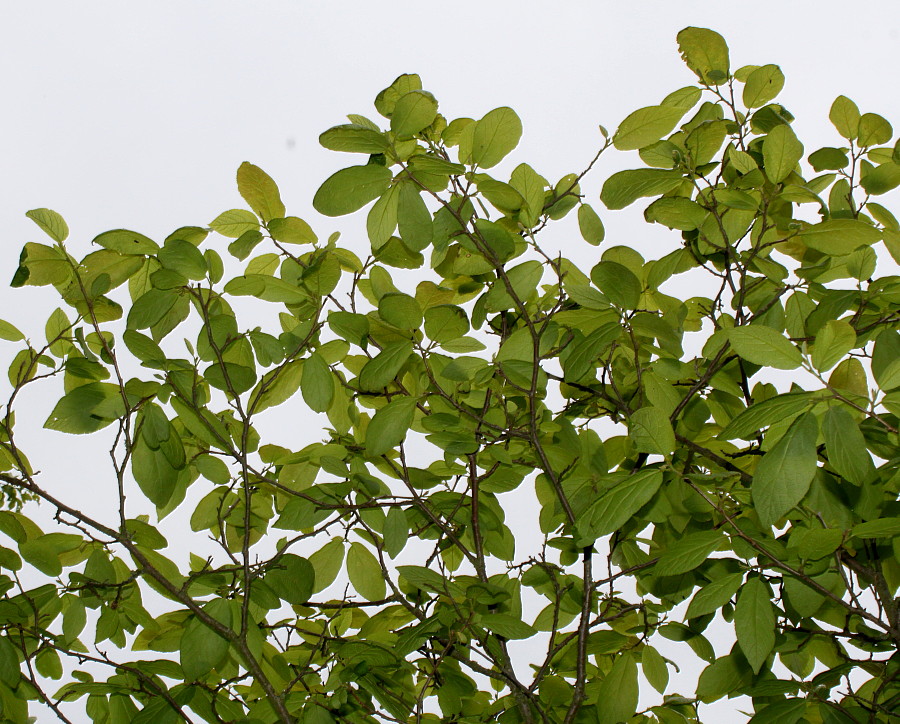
(727, 461)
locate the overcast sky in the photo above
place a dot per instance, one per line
(136, 115)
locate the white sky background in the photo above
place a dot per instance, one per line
(137, 115)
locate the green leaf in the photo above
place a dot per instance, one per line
(646, 126)
(327, 562)
(509, 627)
(754, 622)
(317, 383)
(764, 346)
(86, 409)
(234, 223)
(42, 554)
(396, 531)
(495, 136)
(762, 414)
(706, 53)
(380, 371)
(618, 283)
(412, 113)
(828, 159)
(413, 219)
(292, 579)
(259, 191)
(354, 138)
(126, 242)
(619, 504)
(713, 595)
(625, 187)
(617, 695)
(839, 237)
(873, 130)
(10, 673)
(833, 341)
(590, 225)
(445, 322)
(655, 668)
(382, 218)
(389, 426)
(881, 179)
(350, 189)
(292, 230)
(687, 553)
(364, 572)
(51, 223)
(762, 85)
(784, 474)
(651, 431)
(846, 446)
(845, 116)
(154, 473)
(9, 332)
(881, 528)
(202, 649)
(400, 310)
(781, 152)
(886, 359)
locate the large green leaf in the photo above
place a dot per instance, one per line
(784, 474)
(317, 383)
(713, 595)
(259, 191)
(389, 426)
(87, 408)
(381, 370)
(705, 52)
(844, 114)
(754, 622)
(292, 578)
(126, 242)
(764, 346)
(839, 237)
(762, 85)
(625, 187)
(612, 510)
(412, 113)
(364, 572)
(781, 152)
(646, 126)
(202, 649)
(351, 188)
(687, 553)
(762, 414)
(651, 431)
(50, 222)
(495, 136)
(617, 697)
(846, 446)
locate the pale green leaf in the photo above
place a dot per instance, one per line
(351, 188)
(846, 446)
(495, 136)
(646, 125)
(781, 152)
(764, 346)
(365, 573)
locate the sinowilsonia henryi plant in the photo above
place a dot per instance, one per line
(387, 567)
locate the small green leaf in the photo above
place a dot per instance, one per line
(618, 283)
(52, 224)
(764, 346)
(380, 371)
(9, 332)
(364, 572)
(845, 116)
(400, 310)
(259, 191)
(234, 223)
(590, 225)
(495, 136)
(762, 85)
(389, 426)
(713, 595)
(754, 622)
(762, 414)
(126, 242)
(655, 669)
(618, 505)
(317, 383)
(507, 626)
(351, 188)
(781, 152)
(292, 230)
(784, 474)
(873, 130)
(881, 179)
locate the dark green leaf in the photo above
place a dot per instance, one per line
(389, 426)
(784, 474)
(754, 622)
